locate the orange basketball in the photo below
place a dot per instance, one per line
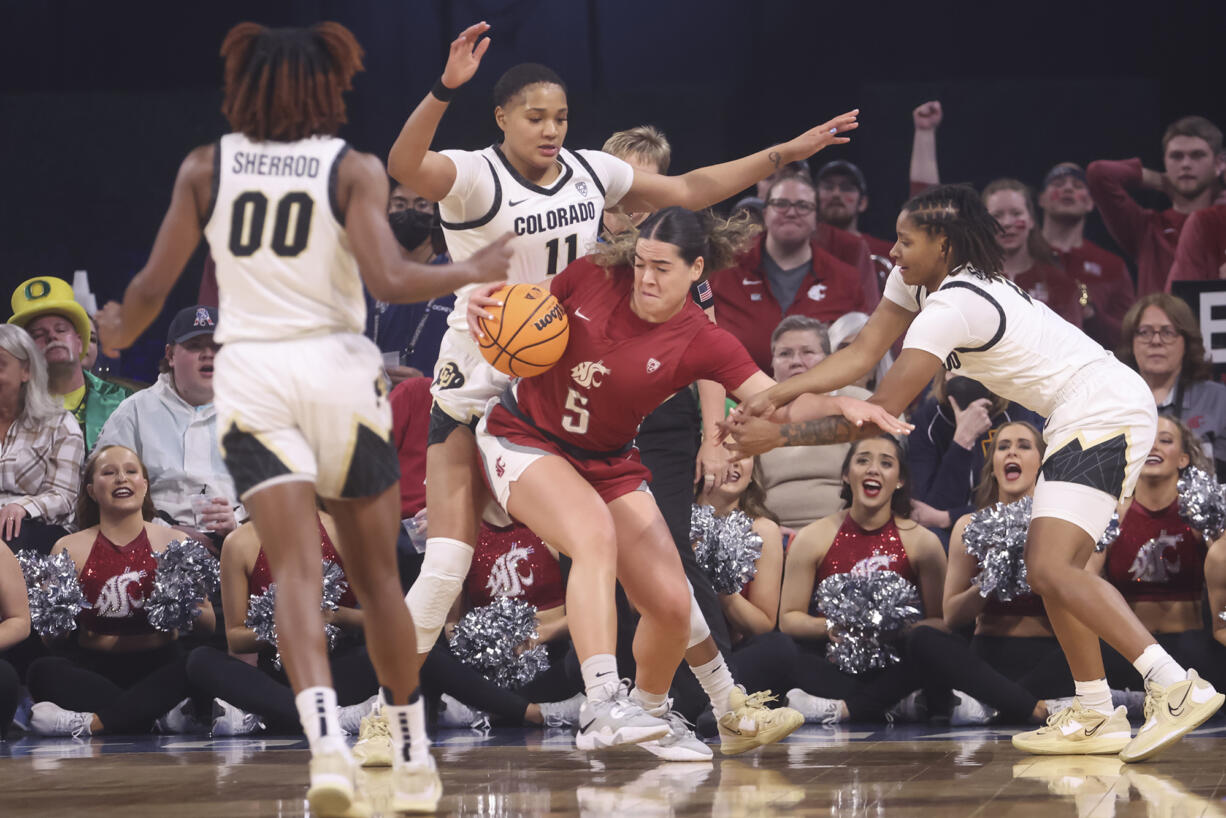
(527, 334)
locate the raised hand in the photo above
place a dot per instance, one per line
(971, 422)
(824, 135)
(927, 117)
(110, 328)
(465, 55)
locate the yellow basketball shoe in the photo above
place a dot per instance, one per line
(1170, 713)
(416, 787)
(750, 724)
(374, 745)
(1077, 730)
(331, 793)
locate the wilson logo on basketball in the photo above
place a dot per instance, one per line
(548, 318)
(585, 373)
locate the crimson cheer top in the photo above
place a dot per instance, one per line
(261, 574)
(513, 562)
(116, 581)
(857, 551)
(617, 368)
(1157, 556)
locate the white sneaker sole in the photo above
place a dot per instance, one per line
(677, 753)
(330, 796)
(1203, 714)
(600, 739)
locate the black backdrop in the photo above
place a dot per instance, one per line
(99, 101)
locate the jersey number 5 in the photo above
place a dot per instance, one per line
(553, 245)
(290, 229)
(576, 423)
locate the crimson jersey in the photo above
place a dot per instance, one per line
(1109, 284)
(116, 581)
(261, 573)
(513, 562)
(617, 368)
(1157, 556)
(857, 551)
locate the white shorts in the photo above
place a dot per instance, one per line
(306, 409)
(1097, 441)
(463, 382)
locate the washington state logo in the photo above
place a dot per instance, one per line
(1151, 563)
(505, 576)
(500, 467)
(114, 601)
(586, 373)
(866, 566)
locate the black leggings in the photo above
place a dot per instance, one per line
(867, 695)
(1034, 662)
(126, 691)
(10, 689)
(763, 662)
(265, 690)
(444, 673)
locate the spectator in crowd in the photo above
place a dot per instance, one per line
(44, 306)
(1191, 179)
(954, 430)
(411, 332)
(1161, 340)
(172, 427)
(842, 195)
(843, 331)
(797, 168)
(40, 462)
(785, 272)
(1029, 259)
(14, 628)
(802, 483)
(1104, 285)
(645, 149)
(1201, 252)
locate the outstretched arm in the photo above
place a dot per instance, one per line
(119, 325)
(706, 186)
(924, 171)
(410, 161)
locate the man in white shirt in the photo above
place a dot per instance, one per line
(172, 425)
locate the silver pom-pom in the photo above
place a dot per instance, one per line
(728, 549)
(867, 610)
(996, 537)
(186, 574)
(1202, 503)
(1110, 535)
(491, 640)
(54, 592)
(262, 609)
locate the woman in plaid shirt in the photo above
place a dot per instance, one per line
(42, 450)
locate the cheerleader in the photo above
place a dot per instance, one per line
(14, 628)
(116, 673)
(874, 534)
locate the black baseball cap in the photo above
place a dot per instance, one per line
(190, 322)
(1060, 171)
(841, 167)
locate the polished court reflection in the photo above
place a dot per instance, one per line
(904, 771)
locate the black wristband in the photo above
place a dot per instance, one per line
(441, 92)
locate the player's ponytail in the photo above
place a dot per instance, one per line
(957, 213)
(717, 240)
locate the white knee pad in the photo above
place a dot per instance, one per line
(698, 623)
(432, 595)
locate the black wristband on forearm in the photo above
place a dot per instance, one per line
(441, 92)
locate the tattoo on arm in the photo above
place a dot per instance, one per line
(832, 429)
(775, 158)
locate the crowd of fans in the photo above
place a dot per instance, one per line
(84, 457)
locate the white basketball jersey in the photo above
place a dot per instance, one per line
(284, 266)
(993, 332)
(558, 224)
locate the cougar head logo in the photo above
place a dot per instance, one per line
(585, 374)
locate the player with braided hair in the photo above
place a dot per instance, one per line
(957, 310)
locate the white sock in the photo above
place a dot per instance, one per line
(407, 724)
(600, 677)
(1094, 695)
(318, 713)
(1156, 665)
(651, 702)
(716, 680)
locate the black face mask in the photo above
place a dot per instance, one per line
(411, 227)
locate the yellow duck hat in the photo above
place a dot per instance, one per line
(48, 295)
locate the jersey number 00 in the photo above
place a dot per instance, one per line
(291, 225)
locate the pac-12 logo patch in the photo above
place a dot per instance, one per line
(581, 186)
(449, 377)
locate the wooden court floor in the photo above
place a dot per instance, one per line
(870, 771)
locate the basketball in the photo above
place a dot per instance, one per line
(527, 334)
